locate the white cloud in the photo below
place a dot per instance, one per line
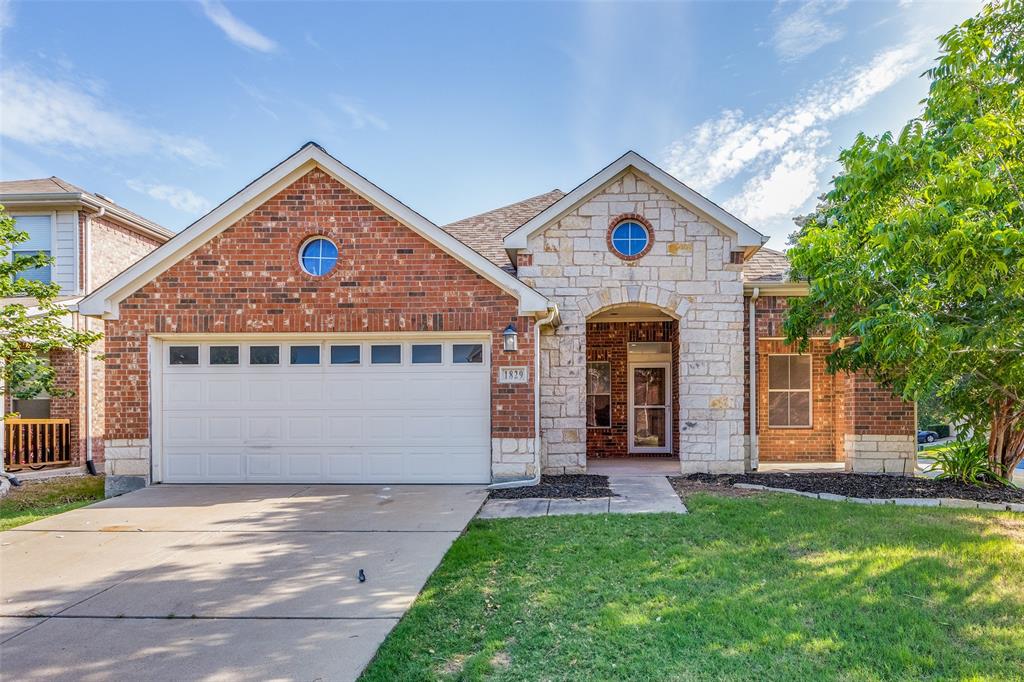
(780, 152)
(42, 111)
(180, 198)
(807, 29)
(783, 187)
(235, 29)
(358, 116)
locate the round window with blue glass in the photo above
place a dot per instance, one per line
(630, 239)
(318, 256)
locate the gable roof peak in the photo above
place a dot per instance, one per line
(746, 236)
(103, 302)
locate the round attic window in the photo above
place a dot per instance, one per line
(317, 256)
(629, 238)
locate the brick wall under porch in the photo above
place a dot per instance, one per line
(608, 342)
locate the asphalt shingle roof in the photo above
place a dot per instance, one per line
(767, 265)
(55, 185)
(484, 232)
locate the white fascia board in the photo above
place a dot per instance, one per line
(104, 301)
(799, 288)
(745, 235)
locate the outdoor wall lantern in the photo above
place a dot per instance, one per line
(511, 338)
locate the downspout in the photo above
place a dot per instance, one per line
(551, 317)
(89, 464)
(754, 456)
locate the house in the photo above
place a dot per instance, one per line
(313, 328)
(91, 239)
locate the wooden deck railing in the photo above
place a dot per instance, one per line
(36, 443)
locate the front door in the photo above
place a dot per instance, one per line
(650, 397)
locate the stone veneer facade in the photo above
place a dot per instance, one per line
(688, 274)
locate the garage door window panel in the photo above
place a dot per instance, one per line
(467, 353)
(304, 355)
(345, 355)
(389, 354)
(183, 355)
(264, 355)
(426, 354)
(223, 355)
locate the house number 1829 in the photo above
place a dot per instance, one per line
(512, 375)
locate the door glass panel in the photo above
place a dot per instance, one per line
(648, 385)
(649, 427)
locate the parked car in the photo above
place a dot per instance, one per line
(926, 436)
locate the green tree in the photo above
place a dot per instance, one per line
(915, 256)
(31, 322)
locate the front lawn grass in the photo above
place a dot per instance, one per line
(35, 500)
(763, 587)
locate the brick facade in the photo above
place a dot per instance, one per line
(112, 248)
(608, 342)
(388, 279)
(850, 414)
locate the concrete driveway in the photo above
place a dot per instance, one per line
(221, 582)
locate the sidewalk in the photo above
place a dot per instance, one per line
(643, 494)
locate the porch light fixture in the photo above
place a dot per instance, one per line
(510, 337)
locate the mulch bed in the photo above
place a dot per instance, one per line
(568, 486)
(862, 485)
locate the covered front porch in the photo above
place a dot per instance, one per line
(632, 385)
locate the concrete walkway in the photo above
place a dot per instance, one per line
(636, 494)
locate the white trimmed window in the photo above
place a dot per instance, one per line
(40, 240)
(599, 394)
(789, 391)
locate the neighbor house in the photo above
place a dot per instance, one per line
(90, 239)
(313, 328)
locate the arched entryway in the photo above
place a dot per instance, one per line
(632, 382)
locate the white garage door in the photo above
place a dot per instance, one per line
(320, 410)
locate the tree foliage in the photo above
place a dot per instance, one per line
(31, 322)
(916, 256)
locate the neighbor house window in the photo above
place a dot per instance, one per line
(789, 390)
(40, 237)
(599, 394)
(184, 355)
(318, 255)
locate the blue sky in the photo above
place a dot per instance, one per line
(171, 107)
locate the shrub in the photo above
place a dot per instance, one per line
(965, 461)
